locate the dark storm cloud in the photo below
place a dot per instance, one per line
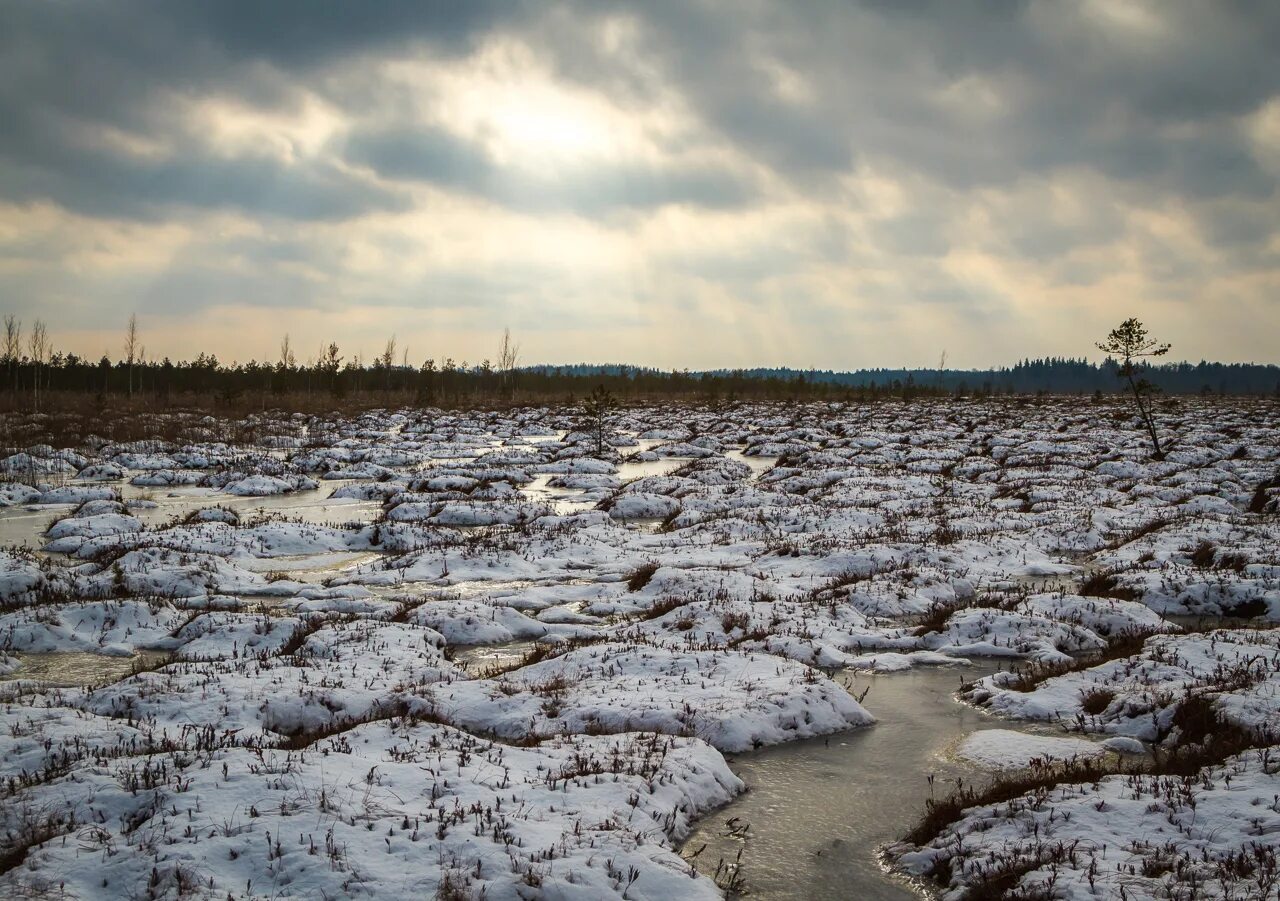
(76, 46)
(69, 69)
(1145, 106)
(421, 153)
(1150, 108)
(97, 181)
(306, 33)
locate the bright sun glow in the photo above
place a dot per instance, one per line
(546, 121)
(508, 100)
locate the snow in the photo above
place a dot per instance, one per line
(390, 810)
(265, 486)
(1237, 670)
(1148, 835)
(1006, 749)
(298, 610)
(744, 701)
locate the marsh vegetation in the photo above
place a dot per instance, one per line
(478, 652)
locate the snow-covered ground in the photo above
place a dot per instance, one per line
(1211, 835)
(247, 633)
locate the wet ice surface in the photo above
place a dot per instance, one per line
(600, 642)
(79, 668)
(319, 506)
(561, 500)
(816, 812)
(481, 659)
(23, 527)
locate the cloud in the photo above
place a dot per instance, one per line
(100, 182)
(928, 167)
(595, 188)
(971, 93)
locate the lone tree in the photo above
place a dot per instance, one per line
(595, 413)
(1130, 342)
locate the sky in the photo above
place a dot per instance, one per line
(675, 183)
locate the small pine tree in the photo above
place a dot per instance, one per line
(1130, 342)
(595, 410)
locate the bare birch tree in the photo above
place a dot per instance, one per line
(12, 347)
(287, 358)
(38, 346)
(131, 346)
(508, 356)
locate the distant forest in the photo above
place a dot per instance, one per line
(1053, 375)
(47, 380)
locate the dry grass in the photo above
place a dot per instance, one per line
(639, 577)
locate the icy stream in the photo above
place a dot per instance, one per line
(815, 811)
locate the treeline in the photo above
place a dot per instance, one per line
(1053, 375)
(31, 382)
(37, 378)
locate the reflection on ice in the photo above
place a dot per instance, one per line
(72, 668)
